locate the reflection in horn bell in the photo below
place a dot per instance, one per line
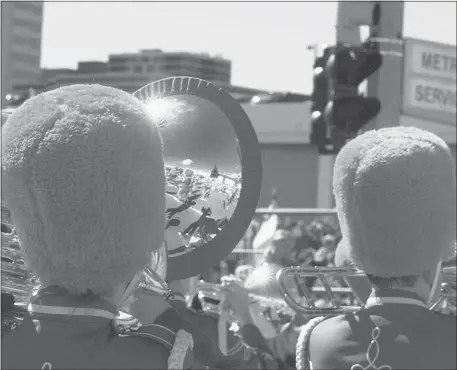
(209, 146)
(200, 200)
(446, 302)
(17, 282)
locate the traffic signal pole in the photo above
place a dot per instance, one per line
(324, 181)
(385, 84)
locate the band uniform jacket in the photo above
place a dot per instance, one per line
(51, 337)
(388, 336)
(247, 350)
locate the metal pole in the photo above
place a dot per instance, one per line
(296, 211)
(324, 181)
(386, 84)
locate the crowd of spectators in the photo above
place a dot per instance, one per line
(294, 243)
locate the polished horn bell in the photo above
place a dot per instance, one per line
(17, 282)
(212, 170)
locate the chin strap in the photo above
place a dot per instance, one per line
(435, 284)
(222, 332)
(128, 292)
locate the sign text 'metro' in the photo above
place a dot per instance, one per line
(429, 83)
(433, 60)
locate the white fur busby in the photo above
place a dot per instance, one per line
(395, 192)
(83, 176)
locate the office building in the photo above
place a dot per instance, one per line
(130, 72)
(205, 66)
(21, 26)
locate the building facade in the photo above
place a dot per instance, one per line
(128, 81)
(205, 66)
(130, 72)
(21, 25)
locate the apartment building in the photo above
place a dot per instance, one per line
(21, 31)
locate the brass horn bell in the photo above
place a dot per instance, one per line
(292, 282)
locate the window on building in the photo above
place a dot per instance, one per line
(171, 66)
(26, 73)
(26, 58)
(35, 7)
(119, 68)
(138, 69)
(29, 24)
(26, 77)
(208, 62)
(115, 59)
(34, 43)
(211, 77)
(172, 59)
(151, 68)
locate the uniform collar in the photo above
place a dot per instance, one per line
(53, 306)
(394, 296)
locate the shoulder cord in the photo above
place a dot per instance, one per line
(157, 333)
(302, 357)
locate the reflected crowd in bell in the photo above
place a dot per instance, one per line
(205, 294)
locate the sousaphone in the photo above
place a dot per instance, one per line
(213, 179)
(213, 173)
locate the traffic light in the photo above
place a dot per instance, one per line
(348, 111)
(319, 99)
(16, 100)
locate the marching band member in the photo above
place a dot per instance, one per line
(164, 317)
(83, 176)
(244, 351)
(250, 325)
(274, 335)
(395, 193)
(204, 328)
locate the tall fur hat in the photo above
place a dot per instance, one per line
(83, 175)
(395, 192)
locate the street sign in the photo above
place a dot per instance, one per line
(429, 81)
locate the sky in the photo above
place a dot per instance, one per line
(267, 42)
